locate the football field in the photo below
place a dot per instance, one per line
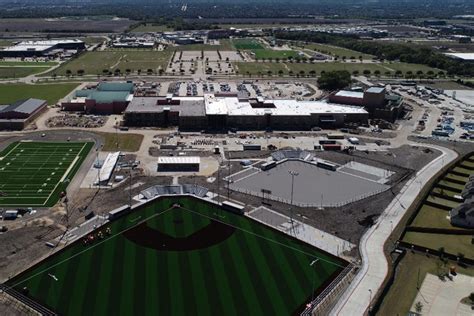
(35, 173)
(191, 259)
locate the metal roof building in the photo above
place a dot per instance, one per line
(179, 164)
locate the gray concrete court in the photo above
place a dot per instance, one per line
(313, 186)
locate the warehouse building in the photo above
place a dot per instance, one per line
(18, 115)
(41, 48)
(375, 100)
(218, 112)
(106, 98)
(178, 164)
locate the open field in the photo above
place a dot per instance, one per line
(150, 27)
(404, 290)
(247, 44)
(19, 72)
(27, 63)
(94, 63)
(10, 93)
(4, 43)
(82, 24)
(270, 53)
(224, 45)
(121, 141)
(255, 68)
(191, 259)
(35, 173)
(336, 51)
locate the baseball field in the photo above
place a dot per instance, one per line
(180, 256)
(35, 173)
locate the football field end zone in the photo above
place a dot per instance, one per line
(330, 279)
(68, 173)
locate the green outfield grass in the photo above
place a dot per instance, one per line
(35, 173)
(247, 44)
(154, 262)
(94, 63)
(10, 93)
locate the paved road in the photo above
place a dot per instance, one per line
(356, 299)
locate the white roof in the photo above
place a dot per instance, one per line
(39, 45)
(179, 160)
(463, 56)
(350, 94)
(232, 106)
(108, 166)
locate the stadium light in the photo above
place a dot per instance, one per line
(293, 174)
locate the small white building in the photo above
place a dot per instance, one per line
(179, 164)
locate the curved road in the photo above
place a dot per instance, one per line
(356, 299)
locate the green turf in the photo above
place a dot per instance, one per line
(19, 72)
(94, 63)
(255, 271)
(10, 93)
(35, 173)
(247, 44)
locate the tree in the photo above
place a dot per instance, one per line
(149, 71)
(68, 72)
(312, 73)
(419, 307)
(366, 72)
(377, 73)
(471, 297)
(355, 72)
(398, 73)
(302, 72)
(105, 71)
(269, 73)
(80, 72)
(334, 80)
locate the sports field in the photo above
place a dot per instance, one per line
(35, 173)
(12, 92)
(247, 44)
(193, 259)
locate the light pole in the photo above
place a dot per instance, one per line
(293, 174)
(370, 301)
(314, 279)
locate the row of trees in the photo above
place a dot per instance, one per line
(117, 72)
(386, 51)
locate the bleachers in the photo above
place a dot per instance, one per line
(292, 154)
(158, 190)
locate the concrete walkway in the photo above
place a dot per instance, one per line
(356, 299)
(441, 298)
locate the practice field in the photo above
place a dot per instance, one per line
(35, 173)
(10, 93)
(193, 259)
(247, 44)
(270, 53)
(100, 62)
(313, 186)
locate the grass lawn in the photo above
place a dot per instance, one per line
(445, 192)
(452, 244)
(456, 177)
(224, 45)
(448, 85)
(28, 63)
(5, 43)
(405, 67)
(467, 163)
(126, 141)
(442, 201)
(432, 217)
(10, 93)
(403, 292)
(270, 53)
(94, 63)
(463, 170)
(336, 51)
(194, 259)
(452, 185)
(150, 27)
(247, 44)
(35, 173)
(19, 72)
(255, 68)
